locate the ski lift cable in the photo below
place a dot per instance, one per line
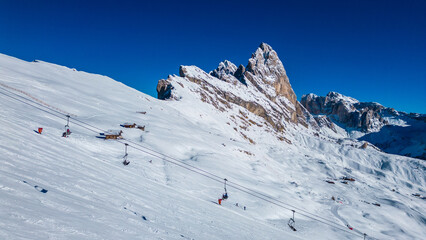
(78, 124)
(32, 105)
(253, 193)
(67, 116)
(46, 111)
(332, 224)
(87, 128)
(74, 120)
(188, 166)
(232, 184)
(34, 99)
(275, 199)
(173, 162)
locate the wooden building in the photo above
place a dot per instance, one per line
(111, 134)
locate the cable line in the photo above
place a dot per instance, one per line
(185, 165)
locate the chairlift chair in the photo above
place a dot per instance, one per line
(291, 222)
(67, 128)
(225, 195)
(125, 161)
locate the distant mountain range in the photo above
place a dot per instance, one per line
(392, 131)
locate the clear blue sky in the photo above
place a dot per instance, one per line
(372, 50)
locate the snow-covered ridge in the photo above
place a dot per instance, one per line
(90, 194)
(392, 131)
(337, 97)
(225, 71)
(261, 88)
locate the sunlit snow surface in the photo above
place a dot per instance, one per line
(91, 195)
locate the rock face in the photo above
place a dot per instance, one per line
(392, 131)
(239, 74)
(164, 89)
(266, 71)
(225, 71)
(228, 72)
(262, 88)
(346, 110)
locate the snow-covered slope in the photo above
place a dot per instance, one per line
(92, 195)
(404, 134)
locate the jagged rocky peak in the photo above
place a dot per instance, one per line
(225, 71)
(225, 68)
(265, 90)
(364, 116)
(228, 72)
(270, 72)
(337, 97)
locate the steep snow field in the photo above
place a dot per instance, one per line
(405, 137)
(92, 195)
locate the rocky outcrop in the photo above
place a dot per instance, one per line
(364, 116)
(225, 71)
(164, 89)
(215, 94)
(265, 70)
(324, 121)
(239, 74)
(228, 72)
(262, 88)
(392, 131)
(313, 103)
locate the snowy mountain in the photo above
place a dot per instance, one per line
(244, 125)
(390, 130)
(262, 89)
